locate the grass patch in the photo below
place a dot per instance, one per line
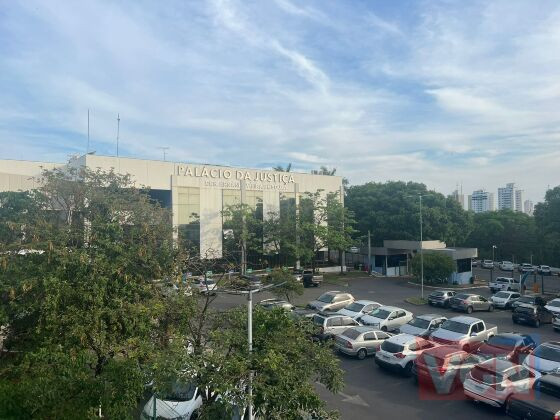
(415, 300)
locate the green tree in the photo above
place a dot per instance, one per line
(82, 315)
(437, 267)
(287, 287)
(547, 219)
(280, 168)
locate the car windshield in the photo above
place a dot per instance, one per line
(525, 310)
(179, 392)
(547, 353)
(455, 326)
(526, 299)
(462, 296)
(502, 281)
(318, 320)
(209, 281)
(380, 313)
(355, 307)
(556, 304)
(437, 294)
(326, 298)
(391, 347)
(502, 295)
(419, 323)
(545, 267)
(486, 376)
(502, 342)
(351, 333)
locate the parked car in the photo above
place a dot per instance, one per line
(422, 325)
(386, 318)
(181, 401)
(465, 332)
(554, 306)
(298, 275)
(531, 314)
(509, 346)
(504, 300)
(545, 358)
(276, 303)
(544, 403)
(544, 270)
(441, 298)
(302, 313)
(331, 301)
(310, 278)
(526, 268)
(246, 282)
(529, 299)
(475, 263)
(205, 286)
(469, 303)
(495, 380)
(487, 264)
(556, 323)
(400, 351)
(360, 341)
(358, 308)
(443, 367)
(504, 283)
(506, 266)
(331, 325)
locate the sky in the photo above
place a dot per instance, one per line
(440, 92)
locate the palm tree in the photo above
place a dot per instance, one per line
(323, 170)
(280, 168)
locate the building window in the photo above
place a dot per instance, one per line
(189, 217)
(464, 265)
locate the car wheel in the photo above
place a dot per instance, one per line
(469, 309)
(446, 304)
(408, 369)
(537, 323)
(491, 308)
(384, 328)
(362, 354)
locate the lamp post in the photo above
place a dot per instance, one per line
(493, 248)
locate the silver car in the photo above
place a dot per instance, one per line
(423, 325)
(276, 303)
(331, 301)
(332, 325)
(360, 341)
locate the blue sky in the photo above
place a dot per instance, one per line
(440, 92)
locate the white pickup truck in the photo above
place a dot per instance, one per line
(508, 284)
(466, 332)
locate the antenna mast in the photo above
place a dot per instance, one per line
(118, 130)
(164, 149)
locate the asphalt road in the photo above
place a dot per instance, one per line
(371, 392)
(550, 284)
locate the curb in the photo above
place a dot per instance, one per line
(415, 304)
(452, 288)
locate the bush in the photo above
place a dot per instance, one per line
(437, 267)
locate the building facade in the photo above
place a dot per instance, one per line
(197, 194)
(459, 197)
(506, 197)
(519, 201)
(528, 207)
(481, 201)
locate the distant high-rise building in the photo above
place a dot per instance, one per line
(459, 197)
(481, 201)
(506, 197)
(529, 207)
(519, 200)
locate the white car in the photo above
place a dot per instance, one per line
(506, 266)
(544, 269)
(504, 283)
(400, 351)
(179, 403)
(545, 358)
(423, 325)
(205, 286)
(487, 264)
(504, 300)
(387, 318)
(554, 307)
(526, 268)
(495, 380)
(359, 308)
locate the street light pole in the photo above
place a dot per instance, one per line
(369, 251)
(421, 250)
(250, 342)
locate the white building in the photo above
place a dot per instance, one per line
(481, 201)
(528, 207)
(196, 193)
(519, 200)
(506, 197)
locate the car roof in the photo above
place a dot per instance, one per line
(497, 365)
(363, 329)
(332, 292)
(555, 344)
(504, 278)
(465, 319)
(444, 351)
(551, 378)
(513, 335)
(391, 308)
(429, 317)
(331, 315)
(554, 300)
(404, 338)
(468, 294)
(443, 291)
(365, 302)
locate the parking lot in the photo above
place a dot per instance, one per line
(371, 392)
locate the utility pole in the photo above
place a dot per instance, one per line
(369, 251)
(118, 132)
(164, 149)
(250, 342)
